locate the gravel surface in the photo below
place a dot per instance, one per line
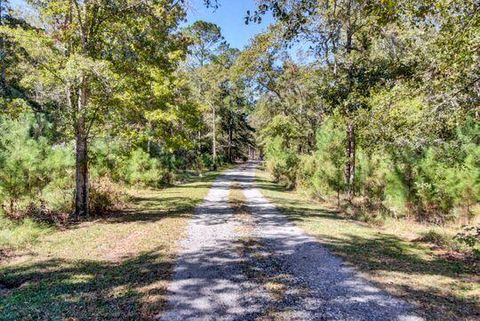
(210, 281)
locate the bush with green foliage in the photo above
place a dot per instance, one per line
(37, 173)
(15, 233)
(281, 162)
(321, 174)
(139, 168)
(446, 178)
(470, 236)
(34, 175)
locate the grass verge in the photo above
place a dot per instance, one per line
(114, 268)
(444, 287)
(19, 234)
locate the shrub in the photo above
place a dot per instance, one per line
(438, 238)
(281, 162)
(15, 234)
(397, 191)
(36, 176)
(307, 170)
(435, 184)
(206, 161)
(443, 184)
(468, 186)
(433, 189)
(470, 236)
(139, 168)
(328, 178)
(105, 196)
(372, 176)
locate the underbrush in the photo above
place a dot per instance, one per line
(106, 196)
(23, 226)
(437, 237)
(37, 171)
(451, 235)
(437, 183)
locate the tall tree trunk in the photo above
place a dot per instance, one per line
(214, 138)
(351, 144)
(230, 158)
(3, 82)
(81, 179)
(350, 163)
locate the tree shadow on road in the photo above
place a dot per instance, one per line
(388, 253)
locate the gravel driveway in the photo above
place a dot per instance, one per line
(211, 281)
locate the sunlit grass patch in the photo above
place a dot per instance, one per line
(17, 234)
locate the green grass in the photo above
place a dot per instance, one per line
(20, 234)
(444, 285)
(114, 268)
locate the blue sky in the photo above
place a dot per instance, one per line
(231, 18)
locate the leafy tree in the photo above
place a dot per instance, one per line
(401, 78)
(341, 34)
(3, 85)
(87, 59)
(205, 73)
(206, 42)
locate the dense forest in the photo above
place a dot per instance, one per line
(380, 109)
(361, 119)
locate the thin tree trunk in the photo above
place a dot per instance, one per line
(350, 164)
(81, 179)
(149, 140)
(214, 138)
(3, 82)
(230, 158)
(3, 77)
(351, 146)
